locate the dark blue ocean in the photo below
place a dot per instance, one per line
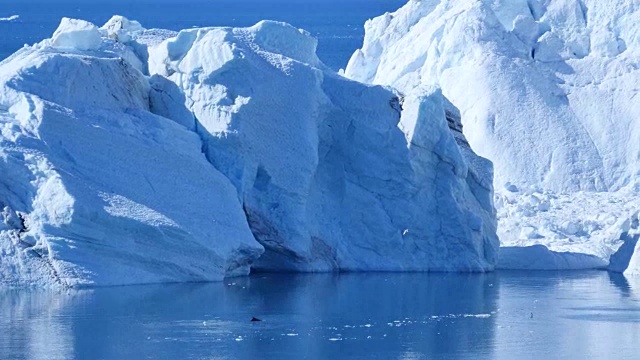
(337, 24)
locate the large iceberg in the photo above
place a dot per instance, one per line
(332, 174)
(97, 190)
(135, 156)
(548, 92)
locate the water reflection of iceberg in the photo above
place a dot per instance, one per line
(383, 314)
(318, 316)
(567, 315)
(34, 325)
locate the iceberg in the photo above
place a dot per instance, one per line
(547, 92)
(96, 189)
(132, 156)
(332, 174)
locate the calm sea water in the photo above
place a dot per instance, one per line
(338, 24)
(544, 315)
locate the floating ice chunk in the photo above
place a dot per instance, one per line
(571, 227)
(10, 18)
(327, 173)
(76, 34)
(101, 191)
(479, 316)
(529, 232)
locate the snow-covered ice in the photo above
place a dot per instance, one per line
(548, 92)
(566, 120)
(134, 156)
(584, 228)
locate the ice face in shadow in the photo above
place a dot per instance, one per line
(627, 258)
(332, 174)
(539, 257)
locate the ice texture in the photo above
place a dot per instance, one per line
(73, 34)
(547, 91)
(134, 156)
(332, 174)
(97, 190)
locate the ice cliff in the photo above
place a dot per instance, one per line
(548, 92)
(97, 190)
(134, 156)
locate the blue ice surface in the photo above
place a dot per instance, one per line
(502, 315)
(337, 24)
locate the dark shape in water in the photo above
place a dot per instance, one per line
(255, 319)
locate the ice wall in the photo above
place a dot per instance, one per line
(135, 156)
(547, 91)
